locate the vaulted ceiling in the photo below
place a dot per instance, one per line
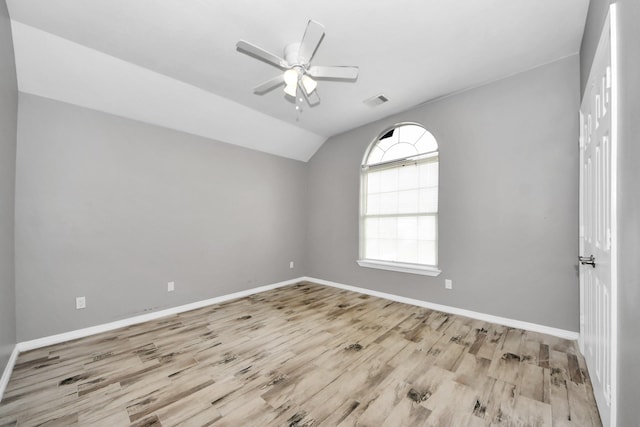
(174, 63)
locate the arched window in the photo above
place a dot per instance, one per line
(399, 202)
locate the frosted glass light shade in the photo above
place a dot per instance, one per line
(309, 84)
(291, 89)
(291, 81)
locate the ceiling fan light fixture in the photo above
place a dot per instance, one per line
(309, 84)
(291, 76)
(291, 90)
(291, 81)
(298, 75)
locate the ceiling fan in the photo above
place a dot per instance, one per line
(299, 76)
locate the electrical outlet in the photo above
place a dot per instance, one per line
(81, 302)
(291, 265)
(171, 286)
(448, 284)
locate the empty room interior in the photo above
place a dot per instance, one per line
(319, 213)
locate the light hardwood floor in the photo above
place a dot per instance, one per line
(304, 355)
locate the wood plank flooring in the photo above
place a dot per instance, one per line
(304, 355)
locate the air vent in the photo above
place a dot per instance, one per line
(374, 101)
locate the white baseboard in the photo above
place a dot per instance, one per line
(561, 333)
(80, 333)
(85, 332)
(6, 374)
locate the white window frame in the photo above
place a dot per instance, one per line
(421, 269)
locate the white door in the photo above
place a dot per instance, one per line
(598, 223)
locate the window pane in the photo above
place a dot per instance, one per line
(371, 249)
(411, 133)
(387, 249)
(389, 180)
(399, 151)
(427, 228)
(373, 204)
(407, 251)
(371, 228)
(375, 156)
(427, 252)
(373, 182)
(408, 177)
(385, 143)
(387, 228)
(428, 200)
(428, 174)
(403, 141)
(427, 143)
(408, 228)
(389, 203)
(408, 201)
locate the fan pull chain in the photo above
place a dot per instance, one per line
(299, 103)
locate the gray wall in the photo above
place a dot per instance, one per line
(8, 120)
(629, 194)
(508, 200)
(593, 27)
(113, 209)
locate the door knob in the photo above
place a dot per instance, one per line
(587, 260)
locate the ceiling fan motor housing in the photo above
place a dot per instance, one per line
(291, 55)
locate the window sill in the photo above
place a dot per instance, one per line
(401, 267)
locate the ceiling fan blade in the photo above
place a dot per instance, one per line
(334, 72)
(260, 53)
(312, 98)
(269, 85)
(310, 41)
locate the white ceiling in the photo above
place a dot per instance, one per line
(174, 62)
